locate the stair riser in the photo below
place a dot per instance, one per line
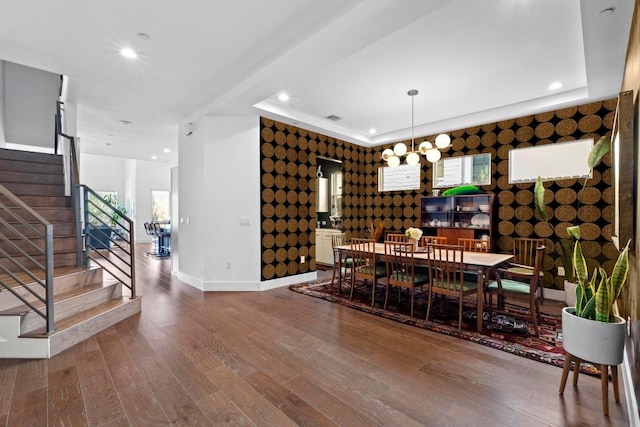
(64, 244)
(59, 229)
(51, 215)
(31, 177)
(80, 332)
(22, 166)
(61, 285)
(59, 260)
(41, 201)
(34, 189)
(72, 306)
(30, 156)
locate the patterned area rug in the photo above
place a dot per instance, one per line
(505, 332)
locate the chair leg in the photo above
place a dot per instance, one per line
(353, 285)
(490, 305)
(386, 296)
(373, 292)
(460, 315)
(429, 304)
(333, 276)
(412, 290)
(534, 308)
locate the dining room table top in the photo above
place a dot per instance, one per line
(479, 259)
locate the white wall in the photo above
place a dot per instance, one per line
(30, 97)
(175, 222)
(2, 138)
(102, 173)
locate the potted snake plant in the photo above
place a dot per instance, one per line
(566, 245)
(590, 329)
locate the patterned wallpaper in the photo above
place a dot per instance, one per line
(288, 159)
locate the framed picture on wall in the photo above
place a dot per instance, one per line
(623, 155)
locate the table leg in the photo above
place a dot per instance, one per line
(480, 299)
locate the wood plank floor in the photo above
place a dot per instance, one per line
(279, 358)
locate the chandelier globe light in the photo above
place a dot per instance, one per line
(428, 149)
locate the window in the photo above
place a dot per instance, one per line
(160, 205)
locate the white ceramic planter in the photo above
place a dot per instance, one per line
(592, 341)
(570, 293)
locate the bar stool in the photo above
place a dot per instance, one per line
(149, 229)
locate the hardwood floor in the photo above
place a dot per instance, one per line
(279, 358)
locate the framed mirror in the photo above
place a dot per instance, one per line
(462, 170)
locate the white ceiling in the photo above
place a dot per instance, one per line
(472, 61)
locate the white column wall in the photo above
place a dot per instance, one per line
(232, 184)
(2, 114)
(219, 187)
(190, 209)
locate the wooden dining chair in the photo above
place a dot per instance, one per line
(438, 240)
(509, 282)
(365, 265)
(395, 237)
(524, 256)
(401, 270)
(446, 278)
(474, 245)
(341, 262)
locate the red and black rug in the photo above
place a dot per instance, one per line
(505, 332)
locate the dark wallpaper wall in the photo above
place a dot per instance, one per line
(288, 159)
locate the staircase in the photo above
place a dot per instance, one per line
(86, 300)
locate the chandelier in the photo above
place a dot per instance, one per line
(430, 150)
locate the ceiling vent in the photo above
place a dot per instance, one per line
(333, 117)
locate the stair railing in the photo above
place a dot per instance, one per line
(108, 237)
(30, 252)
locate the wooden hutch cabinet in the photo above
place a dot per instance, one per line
(468, 216)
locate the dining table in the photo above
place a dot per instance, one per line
(481, 262)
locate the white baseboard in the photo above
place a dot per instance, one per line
(629, 392)
(247, 286)
(554, 294)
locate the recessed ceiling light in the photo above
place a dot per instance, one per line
(283, 97)
(555, 86)
(154, 157)
(144, 36)
(108, 144)
(166, 150)
(125, 122)
(128, 53)
(607, 11)
(372, 131)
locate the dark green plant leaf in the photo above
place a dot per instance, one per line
(538, 194)
(574, 231)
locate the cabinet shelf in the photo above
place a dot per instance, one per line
(468, 216)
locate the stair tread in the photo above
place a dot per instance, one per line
(72, 321)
